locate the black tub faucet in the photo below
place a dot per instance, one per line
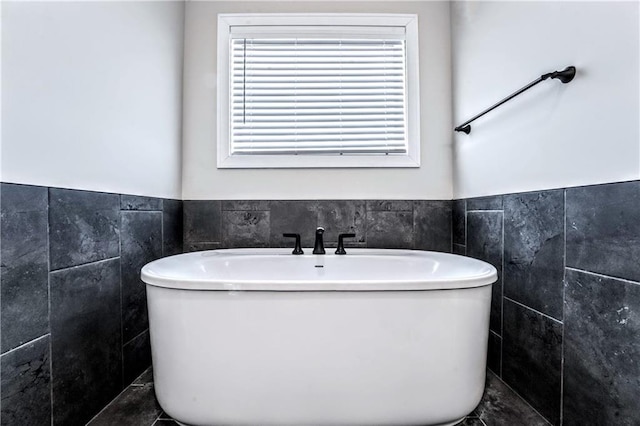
(341, 237)
(318, 247)
(298, 248)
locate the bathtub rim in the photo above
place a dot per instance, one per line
(488, 277)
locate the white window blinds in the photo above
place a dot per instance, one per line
(318, 95)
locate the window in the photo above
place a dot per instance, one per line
(317, 91)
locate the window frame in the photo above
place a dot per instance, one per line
(410, 159)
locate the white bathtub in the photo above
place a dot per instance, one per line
(262, 337)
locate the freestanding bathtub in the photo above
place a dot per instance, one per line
(261, 337)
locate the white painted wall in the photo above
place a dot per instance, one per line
(92, 95)
(201, 178)
(554, 135)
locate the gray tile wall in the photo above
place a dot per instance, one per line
(565, 323)
(565, 329)
(376, 223)
(73, 309)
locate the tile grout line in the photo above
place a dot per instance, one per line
(564, 284)
(140, 211)
(486, 211)
(25, 344)
(525, 401)
(502, 297)
(533, 310)
(121, 299)
(49, 305)
(162, 251)
(156, 420)
(108, 405)
(135, 337)
(609, 277)
(55, 271)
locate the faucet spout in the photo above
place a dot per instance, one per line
(318, 247)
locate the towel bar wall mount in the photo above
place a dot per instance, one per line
(565, 76)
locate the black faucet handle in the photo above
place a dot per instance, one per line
(341, 237)
(298, 247)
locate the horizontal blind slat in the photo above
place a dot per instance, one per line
(306, 95)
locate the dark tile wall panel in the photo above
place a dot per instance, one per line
(191, 247)
(83, 227)
(135, 202)
(602, 351)
(86, 340)
(424, 225)
(459, 221)
(299, 217)
(141, 243)
(484, 242)
(172, 227)
(494, 353)
(459, 249)
(249, 228)
(24, 268)
(603, 229)
(568, 254)
(389, 205)
(202, 221)
(532, 358)
(432, 225)
(493, 202)
(26, 385)
(342, 217)
(390, 229)
(534, 250)
(77, 235)
(136, 356)
(243, 205)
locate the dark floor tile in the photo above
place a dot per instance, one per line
(24, 269)
(432, 225)
(86, 340)
(136, 406)
(500, 406)
(141, 235)
(459, 249)
(459, 221)
(494, 354)
(389, 205)
(298, 217)
(83, 227)
(532, 358)
(202, 221)
(144, 378)
(136, 202)
(26, 385)
(342, 217)
(136, 357)
(603, 229)
(602, 351)
(492, 202)
(172, 227)
(484, 242)
(244, 205)
(534, 250)
(249, 228)
(390, 229)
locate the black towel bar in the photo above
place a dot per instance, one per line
(565, 76)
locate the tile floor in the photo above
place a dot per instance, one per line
(137, 406)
